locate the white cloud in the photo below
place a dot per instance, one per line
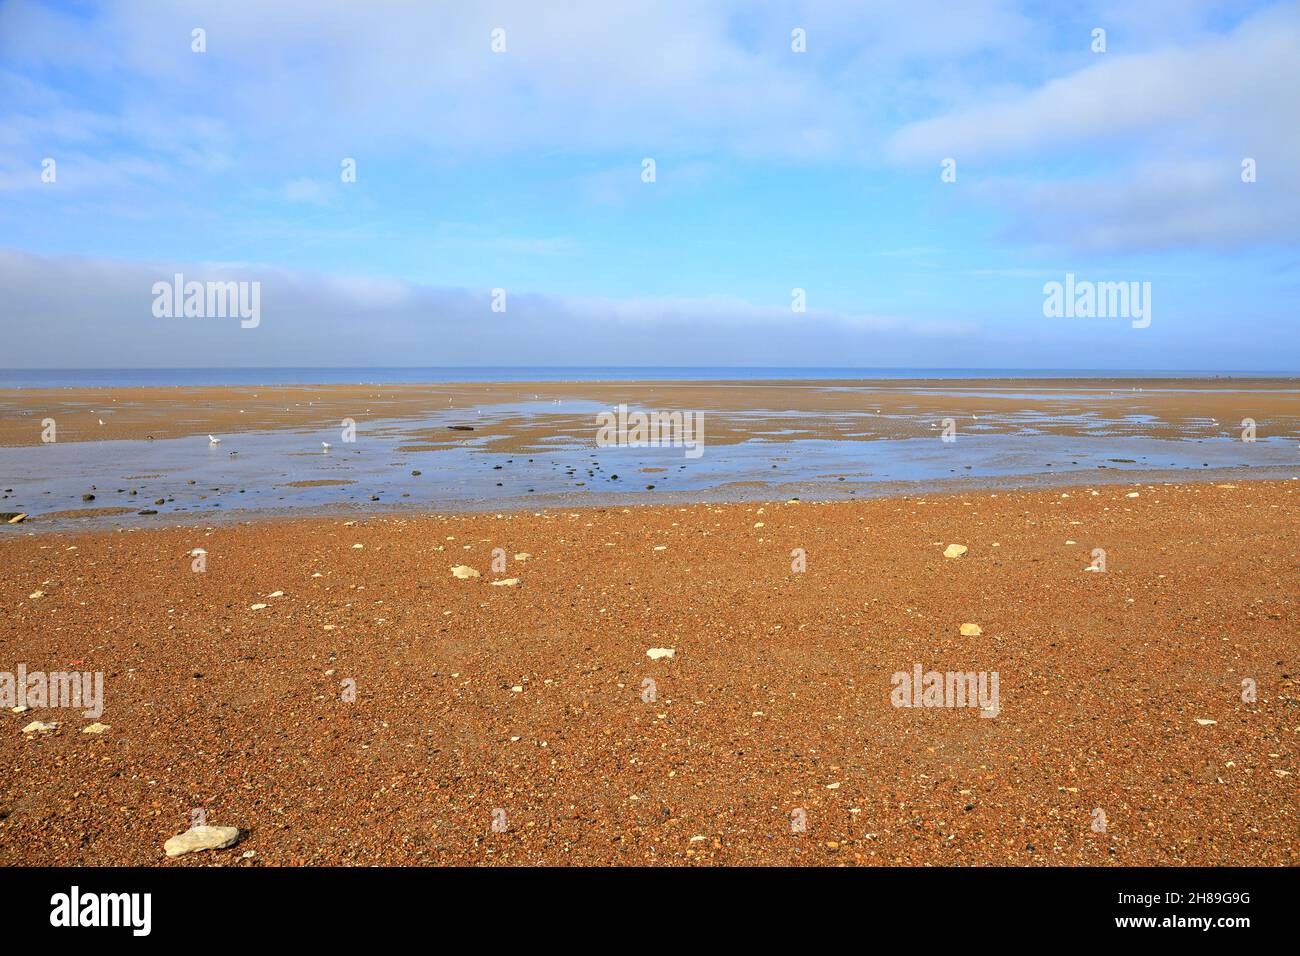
(1169, 130)
(1231, 89)
(73, 311)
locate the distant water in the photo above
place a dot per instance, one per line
(166, 377)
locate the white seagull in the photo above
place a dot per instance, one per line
(213, 441)
(325, 445)
(101, 421)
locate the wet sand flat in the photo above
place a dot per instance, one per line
(1160, 408)
(528, 705)
(361, 449)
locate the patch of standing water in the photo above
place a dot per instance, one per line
(288, 471)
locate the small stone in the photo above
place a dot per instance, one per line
(463, 571)
(655, 653)
(506, 582)
(95, 728)
(1205, 723)
(201, 838)
(971, 630)
(954, 551)
(256, 607)
(276, 594)
(37, 726)
(522, 556)
(36, 595)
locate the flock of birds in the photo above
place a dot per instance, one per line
(215, 441)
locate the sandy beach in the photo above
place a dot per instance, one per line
(760, 438)
(525, 722)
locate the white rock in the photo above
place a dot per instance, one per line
(95, 728)
(1205, 723)
(971, 630)
(201, 838)
(954, 551)
(522, 556)
(506, 582)
(36, 726)
(463, 571)
(655, 653)
(256, 607)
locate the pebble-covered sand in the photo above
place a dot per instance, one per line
(527, 722)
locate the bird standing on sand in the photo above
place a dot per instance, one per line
(213, 441)
(101, 421)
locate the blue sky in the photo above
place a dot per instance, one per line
(775, 170)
